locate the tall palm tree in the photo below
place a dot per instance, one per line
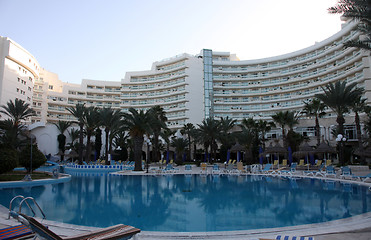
(79, 112)
(359, 10)
(208, 132)
(315, 108)
(283, 119)
(62, 126)
(74, 135)
(339, 97)
(91, 122)
(157, 123)
(109, 118)
(263, 127)
(188, 129)
(137, 123)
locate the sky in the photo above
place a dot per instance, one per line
(104, 39)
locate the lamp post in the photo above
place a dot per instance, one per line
(341, 140)
(148, 142)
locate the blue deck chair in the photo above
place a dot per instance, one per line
(188, 169)
(346, 172)
(266, 169)
(15, 232)
(290, 171)
(119, 231)
(320, 172)
(362, 178)
(279, 237)
(216, 169)
(330, 171)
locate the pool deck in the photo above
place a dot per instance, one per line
(357, 227)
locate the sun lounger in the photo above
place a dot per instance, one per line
(216, 169)
(320, 172)
(364, 178)
(284, 163)
(275, 164)
(240, 168)
(328, 163)
(188, 169)
(114, 232)
(346, 172)
(15, 232)
(203, 168)
(288, 172)
(266, 168)
(279, 237)
(330, 171)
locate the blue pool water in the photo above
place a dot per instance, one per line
(195, 203)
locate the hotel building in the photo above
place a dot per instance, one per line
(191, 88)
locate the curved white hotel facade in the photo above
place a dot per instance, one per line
(191, 88)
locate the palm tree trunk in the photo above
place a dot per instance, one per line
(155, 151)
(340, 121)
(81, 140)
(189, 148)
(106, 130)
(88, 147)
(359, 137)
(318, 132)
(138, 145)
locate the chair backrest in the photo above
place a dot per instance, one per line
(301, 162)
(203, 166)
(293, 167)
(275, 163)
(345, 170)
(330, 169)
(267, 167)
(240, 166)
(215, 167)
(328, 162)
(188, 167)
(319, 163)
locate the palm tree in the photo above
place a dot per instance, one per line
(109, 118)
(188, 129)
(62, 127)
(208, 132)
(226, 137)
(91, 122)
(167, 134)
(137, 123)
(17, 111)
(339, 97)
(74, 135)
(284, 118)
(359, 105)
(315, 108)
(263, 127)
(157, 123)
(359, 10)
(180, 146)
(79, 112)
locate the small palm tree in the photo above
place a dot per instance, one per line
(79, 112)
(62, 127)
(315, 108)
(188, 129)
(158, 120)
(167, 135)
(17, 111)
(109, 118)
(91, 122)
(207, 133)
(226, 137)
(359, 105)
(339, 97)
(180, 146)
(137, 123)
(283, 119)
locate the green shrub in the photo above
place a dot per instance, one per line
(8, 159)
(38, 157)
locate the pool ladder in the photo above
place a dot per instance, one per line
(25, 200)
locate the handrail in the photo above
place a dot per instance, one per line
(25, 200)
(11, 202)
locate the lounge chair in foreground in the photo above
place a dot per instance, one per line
(364, 178)
(203, 168)
(15, 232)
(216, 169)
(279, 237)
(330, 171)
(266, 169)
(346, 172)
(114, 232)
(289, 172)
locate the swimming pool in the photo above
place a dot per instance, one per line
(195, 203)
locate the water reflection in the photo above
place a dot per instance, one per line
(196, 203)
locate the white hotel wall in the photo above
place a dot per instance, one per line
(18, 72)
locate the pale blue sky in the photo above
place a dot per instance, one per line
(103, 39)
